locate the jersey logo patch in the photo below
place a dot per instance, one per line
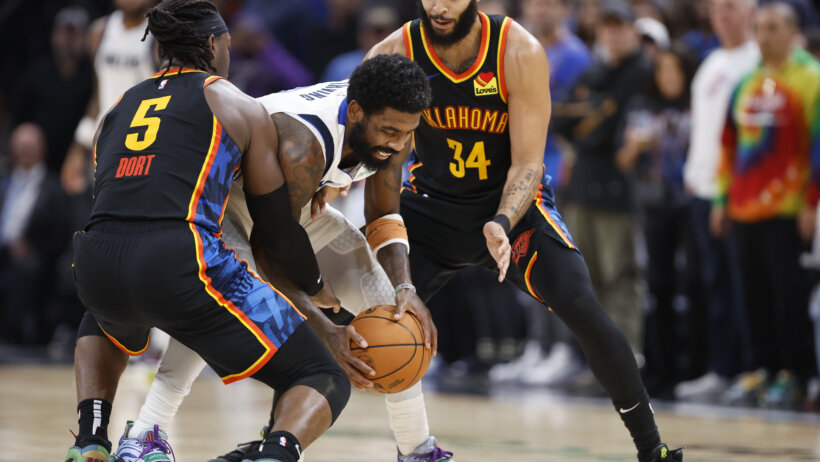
(485, 84)
(162, 84)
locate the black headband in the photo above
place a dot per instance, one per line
(213, 24)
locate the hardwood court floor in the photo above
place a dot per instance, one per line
(37, 409)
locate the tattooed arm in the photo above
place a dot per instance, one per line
(301, 158)
(528, 101)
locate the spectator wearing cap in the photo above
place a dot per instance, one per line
(654, 36)
(375, 24)
(598, 195)
(712, 87)
(54, 90)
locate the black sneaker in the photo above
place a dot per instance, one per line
(662, 453)
(243, 451)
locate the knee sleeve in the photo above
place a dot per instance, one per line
(304, 360)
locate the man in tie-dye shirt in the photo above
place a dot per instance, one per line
(768, 191)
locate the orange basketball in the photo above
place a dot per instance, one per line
(395, 349)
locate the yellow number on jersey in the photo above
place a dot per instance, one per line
(132, 141)
(477, 159)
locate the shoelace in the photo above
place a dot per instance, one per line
(157, 443)
(437, 453)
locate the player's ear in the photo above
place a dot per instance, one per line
(212, 44)
(355, 113)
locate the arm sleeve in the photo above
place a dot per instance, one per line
(284, 240)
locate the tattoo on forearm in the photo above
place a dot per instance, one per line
(301, 160)
(393, 182)
(516, 197)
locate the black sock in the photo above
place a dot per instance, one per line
(639, 418)
(282, 446)
(93, 420)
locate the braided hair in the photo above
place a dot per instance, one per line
(170, 22)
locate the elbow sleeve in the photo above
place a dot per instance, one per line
(285, 242)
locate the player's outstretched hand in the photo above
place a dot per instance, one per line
(499, 246)
(338, 340)
(323, 196)
(325, 298)
(407, 300)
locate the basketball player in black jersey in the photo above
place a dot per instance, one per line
(151, 255)
(477, 184)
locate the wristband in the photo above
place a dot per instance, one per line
(504, 221)
(405, 285)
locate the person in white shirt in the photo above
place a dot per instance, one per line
(726, 337)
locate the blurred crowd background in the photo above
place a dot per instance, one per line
(654, 102)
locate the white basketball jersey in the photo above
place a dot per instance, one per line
(322, 108)
(122, 61)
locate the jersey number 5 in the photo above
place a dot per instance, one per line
(133, 141)
(477, 159)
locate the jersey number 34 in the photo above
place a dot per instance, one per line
(477, 160)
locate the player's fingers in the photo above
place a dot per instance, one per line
(314, 208)
(343, 192)
(400, 309)
(433, 339)
(503, 264)
(355, 337)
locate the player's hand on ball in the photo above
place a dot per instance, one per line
(323, 196)
(407, 300)
(325, 298)
(499, 246)
(338, 340)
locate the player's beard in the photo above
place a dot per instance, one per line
(462, 27)
(365, 152)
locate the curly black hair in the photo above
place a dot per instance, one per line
(389, 81)
(170, 22)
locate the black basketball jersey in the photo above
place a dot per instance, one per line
(162, 154)
(462, 144)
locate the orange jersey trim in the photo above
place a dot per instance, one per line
(178, 70)
(502, 47)
(408, 41)
(527, 274)
(123, 348)
(482, 53)
(216, 137)
(270, 348)
(211, 80)
(549, 219)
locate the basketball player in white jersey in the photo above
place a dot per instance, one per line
(122, 59)
(332, 134)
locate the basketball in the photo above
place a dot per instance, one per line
(395, 349)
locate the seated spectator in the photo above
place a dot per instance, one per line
(259, 63)
(32, 233)
(375, 24)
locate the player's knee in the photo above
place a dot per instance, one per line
(333, 384)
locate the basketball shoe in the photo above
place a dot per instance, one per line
(243, 451)
(148, 446)
(662, 453)
(428, 451)
(90, 453)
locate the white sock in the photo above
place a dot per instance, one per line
(408, 418)
(179, 368)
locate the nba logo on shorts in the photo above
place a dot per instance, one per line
(283, 441)
(162, 84)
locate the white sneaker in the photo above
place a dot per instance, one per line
(511, 371)
(555, 368)
(707, 388)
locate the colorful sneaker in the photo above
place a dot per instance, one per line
(663, 454)
(747, 389)
(243, 451)
(428, 451)
(785, 393)
(90, 453)
(148, 446)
